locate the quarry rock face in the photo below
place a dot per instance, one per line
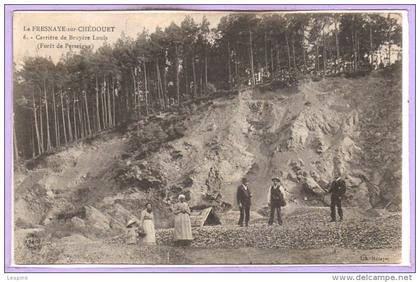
(310, 184)
(120, 216)
(78, 222)
(214, 184)
(307, 134)
(97, 220)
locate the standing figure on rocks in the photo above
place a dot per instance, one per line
(131, 235)
(147, 222)
(243, 196)
(276, 200)
(337, 190)
(182, 228)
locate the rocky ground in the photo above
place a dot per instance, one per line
(354, 240)
(83, 196)
(310, 230)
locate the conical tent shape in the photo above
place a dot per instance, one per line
(205, 216)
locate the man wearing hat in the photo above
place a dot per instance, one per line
(243, 196)
(337, 190)
(275, 200)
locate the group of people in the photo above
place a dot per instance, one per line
(276, 200)
(182, 223)
(145, 228)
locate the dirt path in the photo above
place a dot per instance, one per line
(292, 256)
(100, 253)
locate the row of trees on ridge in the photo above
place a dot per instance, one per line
(85, 93)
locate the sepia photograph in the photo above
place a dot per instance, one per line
(187, 137)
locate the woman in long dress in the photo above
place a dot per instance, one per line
(182, 230)
(147, 222)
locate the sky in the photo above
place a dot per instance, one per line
(32, 36)
(29, 24)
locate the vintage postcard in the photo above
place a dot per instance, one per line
(269, 139)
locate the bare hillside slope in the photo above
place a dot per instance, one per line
(205, 148)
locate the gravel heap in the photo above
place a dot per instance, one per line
(311, 232)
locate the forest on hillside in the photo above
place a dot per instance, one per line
(83, 94)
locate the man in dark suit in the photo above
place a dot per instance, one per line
(275, 200)
(337, 190)
(243, 196)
